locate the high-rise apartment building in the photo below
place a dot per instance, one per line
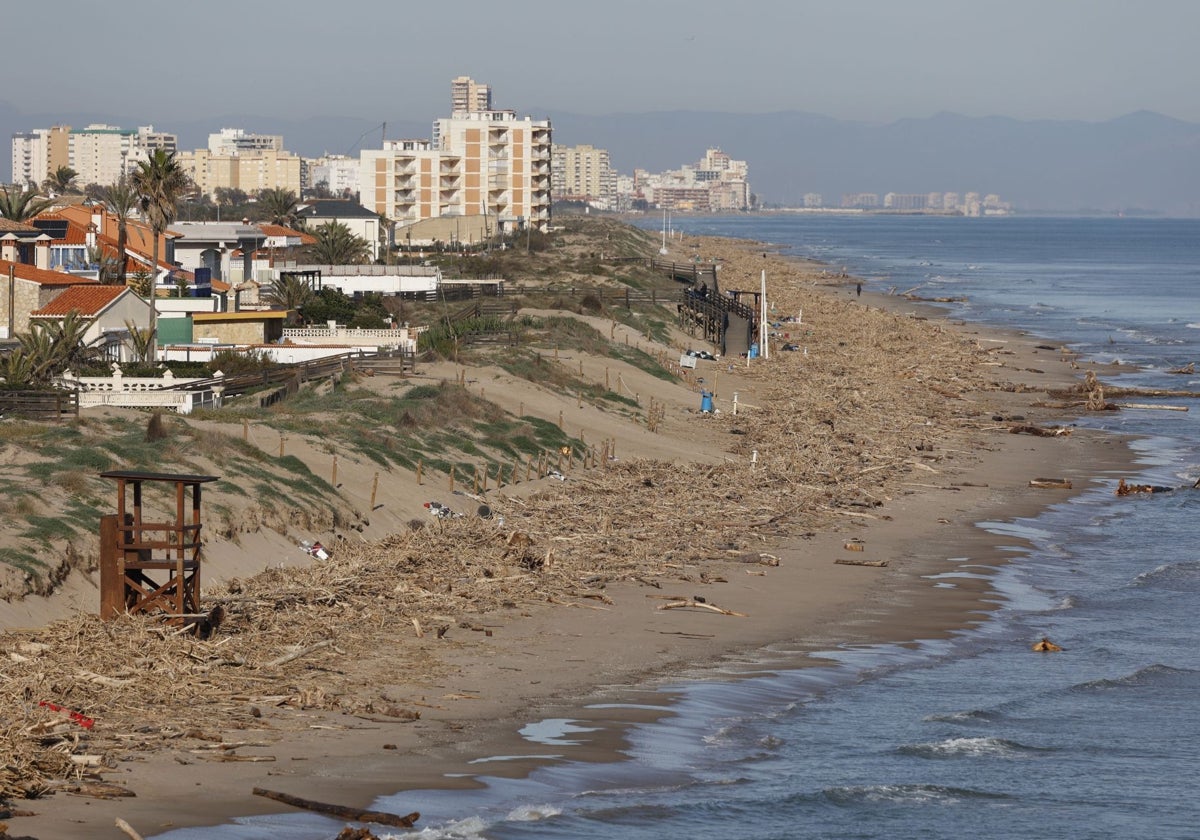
(101, 154)
(582, 173)
(478, 163)
(37, 153)
(339, 174)
(468, 95)
(233, 141)
(251, 171)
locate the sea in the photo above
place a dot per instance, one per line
(971, 736)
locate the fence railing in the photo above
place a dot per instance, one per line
(55, 406)
(167, 391)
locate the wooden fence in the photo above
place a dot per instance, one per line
(55, 406)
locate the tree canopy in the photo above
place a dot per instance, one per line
(20, 205)
(337, 245)
(160, 181)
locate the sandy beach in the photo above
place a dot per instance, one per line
(883, 441)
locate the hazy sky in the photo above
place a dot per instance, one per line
(874, 60)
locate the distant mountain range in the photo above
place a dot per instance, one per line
(1139, 162)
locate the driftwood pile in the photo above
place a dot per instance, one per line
(836, 432)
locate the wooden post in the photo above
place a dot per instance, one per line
(521, 410)
(581, 439)
(528, 467)
(620, 383)
(281, 440)
(420, 467)
(452, 478)
(245, 429)
(570, 457)
(581, 367)
(560, 456)
(516, 476)
(333, 481)
(475, 487)
(560, 418)
(556, 352)
(612, 331)
(374, 489)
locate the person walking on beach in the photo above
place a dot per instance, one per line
(858, 289)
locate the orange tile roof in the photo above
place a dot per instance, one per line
(277, 230)
(76, 233)
(9, 226)
(41, 276)
(87, 300)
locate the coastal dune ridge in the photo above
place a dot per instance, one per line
(879, 442)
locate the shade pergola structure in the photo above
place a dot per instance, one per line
(152, 567)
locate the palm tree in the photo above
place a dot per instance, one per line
(50, 347)
(107, 262)
(139, 341)
(288, 292)
(278, 205)
(160, 181)
(122, 200)
(336, 245)
(61, 180)
(21, 205)
(17, 368)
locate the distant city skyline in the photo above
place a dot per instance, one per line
(872, 60)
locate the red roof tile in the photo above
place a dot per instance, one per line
(41, 276)
(87, 300)
(9, 226)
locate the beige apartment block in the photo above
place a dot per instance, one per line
(468, 95)
(101, 154)
(250, 172)
(582, 173)
(479, 163)
(37, 153)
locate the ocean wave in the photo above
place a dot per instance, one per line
(1070, 602)
(969, 748)
(970, 716)
(1193, 326)
(905, 794)
(532, 813)
(1187, 571)
(1152, 676)
(471, 828)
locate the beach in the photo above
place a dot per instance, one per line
(903, 417)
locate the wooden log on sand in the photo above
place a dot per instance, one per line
(1039, 431)
(1152, 407)
(1050, 483)
(846, 561)
(341, 811)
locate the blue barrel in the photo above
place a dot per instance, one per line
(753, 354)
(706, 404)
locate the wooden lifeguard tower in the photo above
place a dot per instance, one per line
(151, 567)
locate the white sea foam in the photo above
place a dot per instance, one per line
(966, 748)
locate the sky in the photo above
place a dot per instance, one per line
(868, 60)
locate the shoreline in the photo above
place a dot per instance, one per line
(846, 605)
